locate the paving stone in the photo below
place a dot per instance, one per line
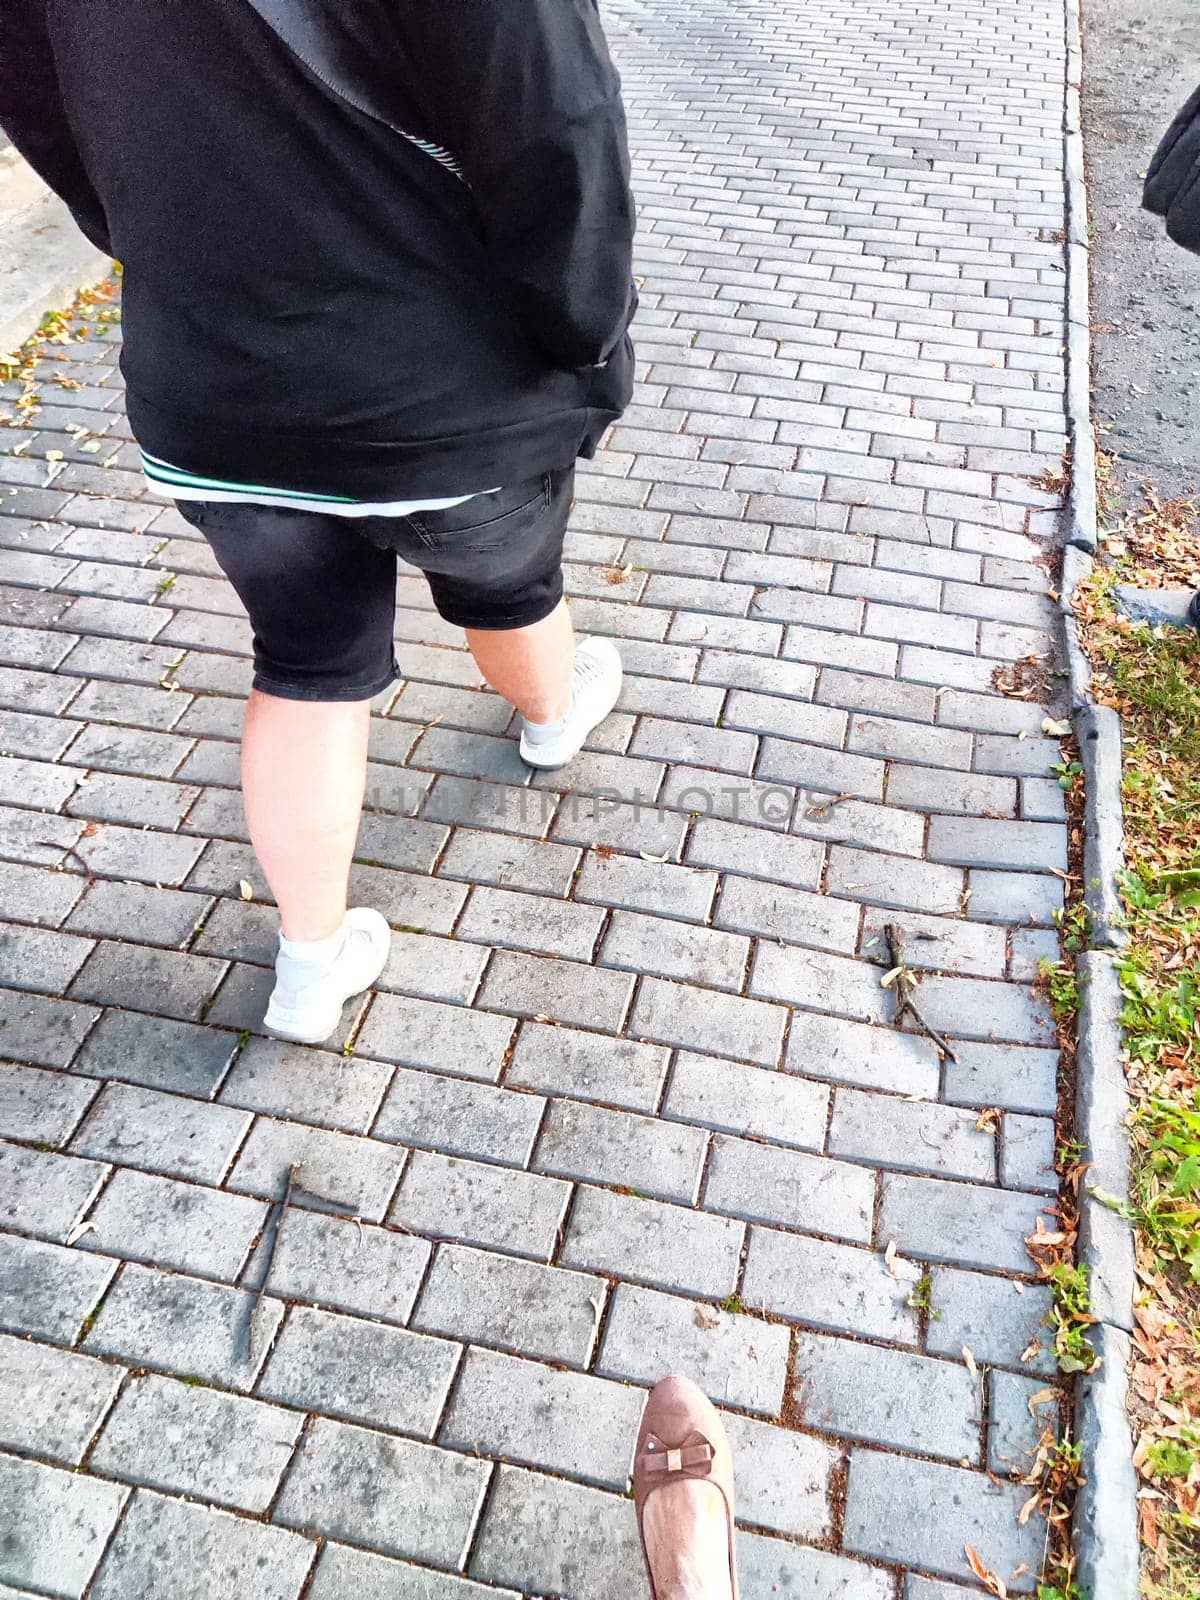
(536, 986)
(973, 794)
(737, 847)
(51, 1403)
(746, 800)
(343, 1264)
(908, 741)
(739, 1360)
(773, 1568)
(157, 1053)
(510, 862)
(516, 1305)
(37, 838)
(645, 1241)
(1027, 1154)
(522, 1544)
(42, 1032)
(856, 1053)
(764, 1183)
(925, 1513)
(139, 1127)
(1015, 1077)
(444, 1197)
(42, 1107)
(307, 1085)
(343, 1571)
(641, 1153)
(588, 1066)
(184, 1325)
(180, 1225)
(424, 1033)
(675, 950)
(160, 916)
(871, 877)
(348, 1173)
(459, 1117)
(583, 1427)
(145, 857)
(515, 921)
(1030, 948)
(186, 1439)
(962, 1224)
(40, 959)
(636, 885)
(34, 894)
(360, 1371)
(45, 1193)
(994, 1012)
(790, 915)
(178, 985)
(1001, 1323)
(1024, 1412)
(705, 1019)
(56, 1525)
(783, 1478)
(830, 1286)
(888, 1397)
(218, 1556)
(992, 842)
(918, 1588)
(395, 1495)
(739, 1099)
(910, 1137)
(47, 1290)
(815, 980)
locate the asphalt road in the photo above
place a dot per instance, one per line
(1142, 59)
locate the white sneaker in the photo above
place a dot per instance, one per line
(594, 689)
(314, 981)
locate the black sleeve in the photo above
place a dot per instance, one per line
(525, 95)
(33, 115)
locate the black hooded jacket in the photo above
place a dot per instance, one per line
(1173, 180)
(311, 300)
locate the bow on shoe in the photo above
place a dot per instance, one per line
(693, 1457)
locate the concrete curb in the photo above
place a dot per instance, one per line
(1105, 1523)
(1101, 1109)
(1098, 730)
(44, 262)
(1105, 1529)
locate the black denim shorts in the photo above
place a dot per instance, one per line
(321, 590)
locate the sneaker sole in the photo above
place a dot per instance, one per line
(279, 1028)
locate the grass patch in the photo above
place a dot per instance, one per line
(1152, 677)
(1071, 1314)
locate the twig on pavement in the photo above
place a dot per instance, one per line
(905, 985)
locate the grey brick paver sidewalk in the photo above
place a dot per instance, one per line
(632, 1096)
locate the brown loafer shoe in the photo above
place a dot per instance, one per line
(681, 1437)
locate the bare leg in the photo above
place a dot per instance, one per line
(687, 1543)
(531, 667)
(304, 770)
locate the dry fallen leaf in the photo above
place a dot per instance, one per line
(969, 1363)
(244, 889)
(993, 1583)
(78, 1231)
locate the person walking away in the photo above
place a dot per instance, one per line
(377, 291)
(1172, 191)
